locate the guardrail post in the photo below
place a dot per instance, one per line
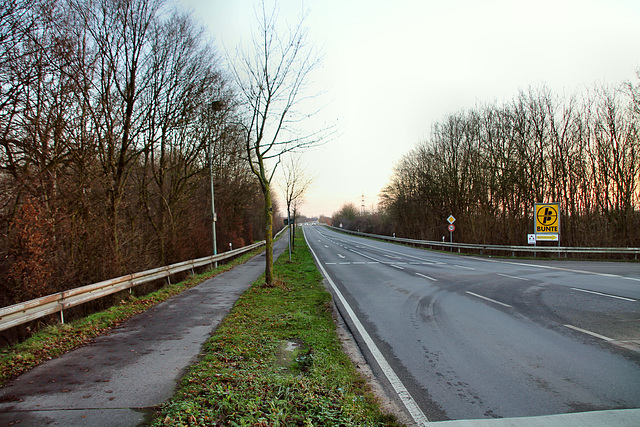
(62, 316)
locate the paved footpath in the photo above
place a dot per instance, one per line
(120, 377)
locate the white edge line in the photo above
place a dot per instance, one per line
(593, 334)
(414, 410)
(396, 266)
(426, 277)
(488, 299)
(604, 295)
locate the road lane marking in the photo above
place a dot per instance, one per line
(396, 266)
(341, 256)
(330, 263)
(365, 256)
(462, 266)
(412, 407)
(604, 295)
(326, 246)
(421, 258)
(426, 277)
(548, 267)
(593, 334)
(513, 277)
(488, 299)
(359, 262)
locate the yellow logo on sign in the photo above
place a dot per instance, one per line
(547, 218)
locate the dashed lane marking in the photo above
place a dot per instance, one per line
(604, 295)
(488, 299)
(593, 334)
(513, 277)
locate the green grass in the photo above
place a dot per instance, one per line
(55, 340)
(246, 377)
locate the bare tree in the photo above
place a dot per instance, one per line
(294, 186)
(271, 76)
(121, 32)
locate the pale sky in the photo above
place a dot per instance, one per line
(393, 68)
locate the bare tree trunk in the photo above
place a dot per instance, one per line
(268, 216)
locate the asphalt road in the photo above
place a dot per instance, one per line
(481, 338)
(121, 377)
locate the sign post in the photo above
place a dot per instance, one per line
(547, 222)
(451, 227)
(532, 241)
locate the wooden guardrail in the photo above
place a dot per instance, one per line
(23, 312)
(560, 250)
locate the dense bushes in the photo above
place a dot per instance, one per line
(107, 111)
(489, 166)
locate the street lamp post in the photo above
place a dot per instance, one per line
(215, 106)
(214, 217)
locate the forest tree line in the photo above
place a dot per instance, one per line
(490, 165)
(108, 110)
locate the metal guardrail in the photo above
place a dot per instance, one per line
(23, 312)
(561, 250)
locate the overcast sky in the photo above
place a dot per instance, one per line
(393, 68)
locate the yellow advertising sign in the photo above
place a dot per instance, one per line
(547, 218)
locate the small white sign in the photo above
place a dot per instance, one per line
(451, 219)
(532, 239)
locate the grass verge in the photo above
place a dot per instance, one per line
(276, 360)
(55, 340)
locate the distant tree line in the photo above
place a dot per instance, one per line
(107, 111)
(489, 166)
